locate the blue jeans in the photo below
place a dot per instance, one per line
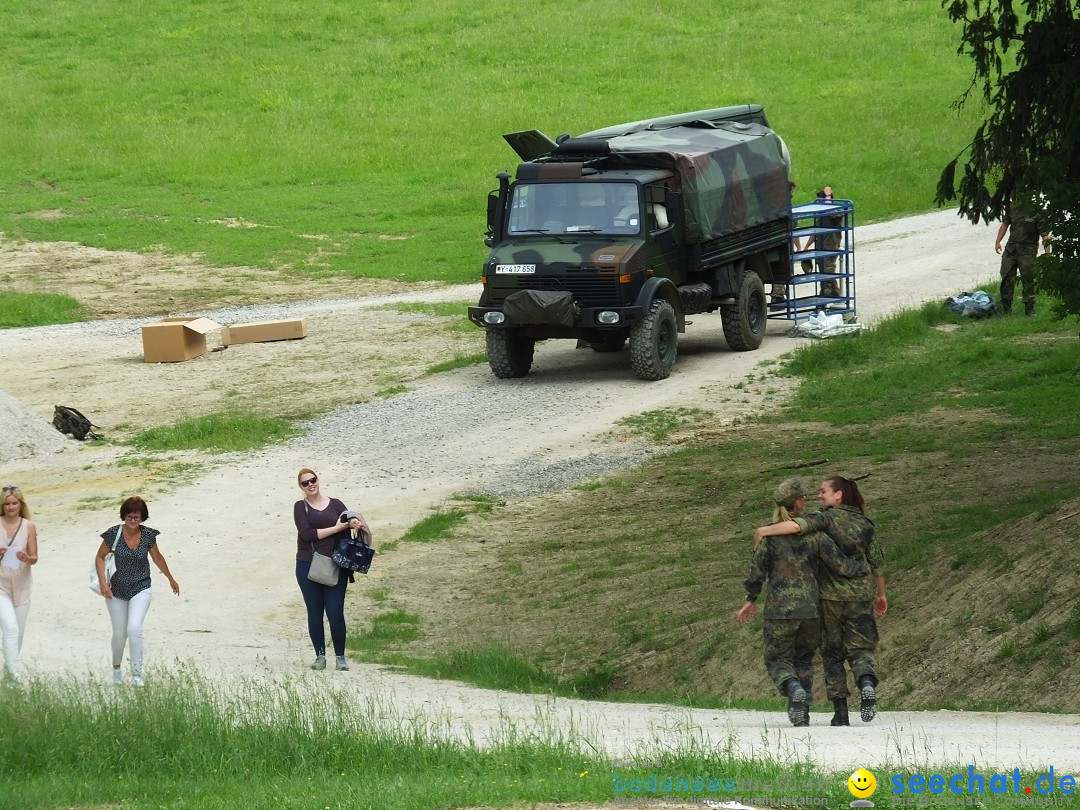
(320, 600)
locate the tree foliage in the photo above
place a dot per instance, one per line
(1027, 70)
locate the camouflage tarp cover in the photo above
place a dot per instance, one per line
(732, 177)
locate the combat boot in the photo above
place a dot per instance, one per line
(868, 699)
(797, 710)
(1029, 308)
(1006, 306)
(840, 717)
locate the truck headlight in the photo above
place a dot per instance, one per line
(607, 317)
(494, 317)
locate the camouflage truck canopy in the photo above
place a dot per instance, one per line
(733, 176)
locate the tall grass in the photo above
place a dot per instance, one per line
(182, 743)
(223, 432)
(337, 138)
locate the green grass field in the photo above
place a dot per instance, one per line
(336, 138)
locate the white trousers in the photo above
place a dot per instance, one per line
(12, 625)
(127, 626)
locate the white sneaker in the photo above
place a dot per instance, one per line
(117, 676)
(137, 680)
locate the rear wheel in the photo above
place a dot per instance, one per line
(745, 320)
(654, 342)
(510, 353)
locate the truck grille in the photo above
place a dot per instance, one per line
(589, 291)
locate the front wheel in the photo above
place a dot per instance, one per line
(744, 322)
(654, 342)
(510, 353)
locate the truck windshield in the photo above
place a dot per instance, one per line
(606, 208)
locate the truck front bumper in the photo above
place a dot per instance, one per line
(588, 318)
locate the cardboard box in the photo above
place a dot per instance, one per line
(264, 331)
(173, 340)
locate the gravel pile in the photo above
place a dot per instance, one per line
(26, 434)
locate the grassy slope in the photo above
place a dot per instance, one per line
(971, 479)
(343, 138)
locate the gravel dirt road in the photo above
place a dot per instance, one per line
(228, 533)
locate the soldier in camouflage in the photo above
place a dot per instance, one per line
(829, 241)
(1019, 256)
(790, 563)
(848, 606)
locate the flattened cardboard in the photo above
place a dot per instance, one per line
(264, 331)
(174, 340)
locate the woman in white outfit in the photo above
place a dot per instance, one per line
(18, 551)
(127, 594)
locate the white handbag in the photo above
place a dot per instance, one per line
(110, 566)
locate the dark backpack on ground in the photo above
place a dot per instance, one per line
(69, 420)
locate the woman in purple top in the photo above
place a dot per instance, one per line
(319, 522)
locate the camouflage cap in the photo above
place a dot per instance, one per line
(788, 492)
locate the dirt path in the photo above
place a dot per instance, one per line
(227, 531)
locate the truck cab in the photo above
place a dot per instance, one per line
(617, 235)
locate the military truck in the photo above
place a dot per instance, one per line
(619, 234)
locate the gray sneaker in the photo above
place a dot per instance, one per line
(342, 664)
(320, 662)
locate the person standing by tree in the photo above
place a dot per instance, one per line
(1027, 72)
(1025, 230)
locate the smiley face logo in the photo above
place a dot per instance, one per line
(862, 784)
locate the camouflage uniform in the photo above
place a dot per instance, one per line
(790, 563)
(1019, 256)
(829, 241)
(849, 629)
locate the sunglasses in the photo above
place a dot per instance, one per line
(310, 481)
(10, 489)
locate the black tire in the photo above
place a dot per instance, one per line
(510, 353)
(654, 342)
(608, 343)
(745, 321)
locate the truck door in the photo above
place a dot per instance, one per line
(664, 223)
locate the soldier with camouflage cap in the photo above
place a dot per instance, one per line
(848, 605)
(792, 625)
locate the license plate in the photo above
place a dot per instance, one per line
(515, 268)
